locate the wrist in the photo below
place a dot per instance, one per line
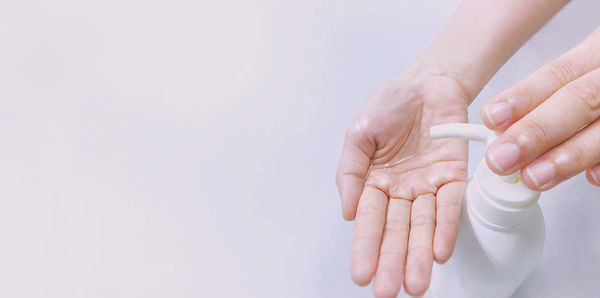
(423, 70)
(470, 76)
(480, 37)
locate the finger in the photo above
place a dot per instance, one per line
(419, 259)
(511, 105)
(593, 175)
(366, 237)
(449, 201)
(353, 166)
(551, 123)
(392, 256)
(574, 156)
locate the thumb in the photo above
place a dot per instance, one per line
(353, 167)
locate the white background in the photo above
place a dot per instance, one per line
(188, 149)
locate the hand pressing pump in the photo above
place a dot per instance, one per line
(501, 231)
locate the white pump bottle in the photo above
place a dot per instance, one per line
(501, 230)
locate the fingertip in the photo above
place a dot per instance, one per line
(416, 286)
(492, 162)
(385, 286)
(492, 166)
(443, 249)
(348, 215)
(483, 114)
(593, 176)
(528, 181)
(361, 275)
(496, 115)
(489, 160)
(418, 272)
(416, 289)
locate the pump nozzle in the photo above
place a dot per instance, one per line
(474, 132)
(467, 131)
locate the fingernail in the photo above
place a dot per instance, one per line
(504, 156)
(541, 172)
(595, 173)
(498, 113)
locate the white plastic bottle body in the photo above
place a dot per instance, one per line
(489, 261)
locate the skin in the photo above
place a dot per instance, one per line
(404, 189)
(421, 178)
(543, 119)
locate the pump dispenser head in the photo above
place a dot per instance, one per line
(505, 199)
(473, 132)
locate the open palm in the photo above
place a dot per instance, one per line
(404, 188)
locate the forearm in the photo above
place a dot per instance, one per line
(482, 35)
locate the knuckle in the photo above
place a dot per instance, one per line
(575, 156)
(370, 211)
(413, 248)
(580, 156)
(452, 205)
(394, 222)
(562, 70)
(365, 237)
(450, 226)
(399, 253)
(526, 97)
(421, 221)
(395, 226)
(358, 135)
(339, 179)
(537, 134)
(355, 129)
(588, 93)
(592, 41)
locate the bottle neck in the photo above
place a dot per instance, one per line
(501, 205)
